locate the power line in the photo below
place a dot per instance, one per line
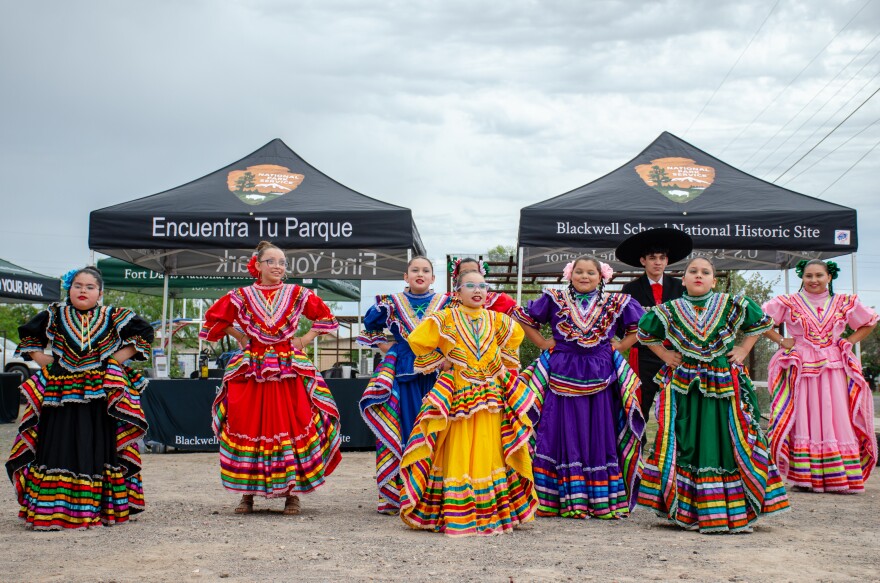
(807, 104)
(751, 40)
(828, 134)
(814, 114)
(851, 167)
(796, 77)
(848, 140)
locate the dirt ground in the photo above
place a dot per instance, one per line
(189, 533)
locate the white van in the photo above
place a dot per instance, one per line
(11, 363)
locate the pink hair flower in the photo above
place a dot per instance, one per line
(566, 272)
(606, 271)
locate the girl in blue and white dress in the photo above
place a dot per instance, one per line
(392, 400)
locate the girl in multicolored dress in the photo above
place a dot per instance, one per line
(393, 397)
(710, 468)
(275, 417)
(588, 438)
(467, 469)
(75, 462)
(822, 429)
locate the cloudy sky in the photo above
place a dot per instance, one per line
(464, 111)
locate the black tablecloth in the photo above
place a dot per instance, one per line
(179, 413)
(9, 397)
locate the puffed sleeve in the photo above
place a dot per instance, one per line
(33, 336)
(651, 330)
(323, 320)
(428, 344)
(502, 303)
(374, 326)
(538, 312)
(137, 332)
(509, 335)
(777, 310)
(860, 315)
(219, 317)
(756, 321)
(628, 321)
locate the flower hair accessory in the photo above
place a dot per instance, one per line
(455, 266)
(833, 269)
(831, 266)
(67, 279)
(605, 270)
(252, 267)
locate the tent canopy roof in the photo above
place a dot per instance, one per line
(208, 226)
(742, 221)
(20, 285)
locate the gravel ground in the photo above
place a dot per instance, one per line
(189, 533)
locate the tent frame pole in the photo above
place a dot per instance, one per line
(165, 320)
(855, 287)
(519, 276)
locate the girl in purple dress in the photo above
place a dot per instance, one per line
(588, 436)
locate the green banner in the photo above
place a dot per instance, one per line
(123, 276)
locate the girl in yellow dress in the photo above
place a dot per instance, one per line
(467, 468)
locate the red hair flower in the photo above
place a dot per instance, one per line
(252, 267)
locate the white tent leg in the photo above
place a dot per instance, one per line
(201, 319)
(360, 324)
(855, 286)
(170, 332)
(164, 316)
(519, 274)
(786, 282)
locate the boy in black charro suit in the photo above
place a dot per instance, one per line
(652, 250)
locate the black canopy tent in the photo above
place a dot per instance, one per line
(124, 276)
(743, 222)
(211, 225)
(20, 285)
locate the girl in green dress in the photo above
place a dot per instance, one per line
(710, 467)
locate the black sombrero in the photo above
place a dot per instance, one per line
(678, 243)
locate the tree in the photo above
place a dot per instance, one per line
(245, 182)
(760, 290)
(14, 315)
(659, 176)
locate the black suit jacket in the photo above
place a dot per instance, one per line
(640, 289)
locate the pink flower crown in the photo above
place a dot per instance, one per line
(604, 269)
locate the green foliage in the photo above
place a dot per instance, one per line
(528, 352)
(14, 315)
(760, 290)
(871, 356)
(501, 253)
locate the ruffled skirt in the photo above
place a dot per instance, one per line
(75, 462)
(710, 468)
(277, 437)
(466, 469)
(588, 446)
(389, 407)
(822, 430)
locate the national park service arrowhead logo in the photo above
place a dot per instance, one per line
(262, 183)
(678, 179)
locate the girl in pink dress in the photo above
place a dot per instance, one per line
(822, 430)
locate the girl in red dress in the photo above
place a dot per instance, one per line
(275, 417)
